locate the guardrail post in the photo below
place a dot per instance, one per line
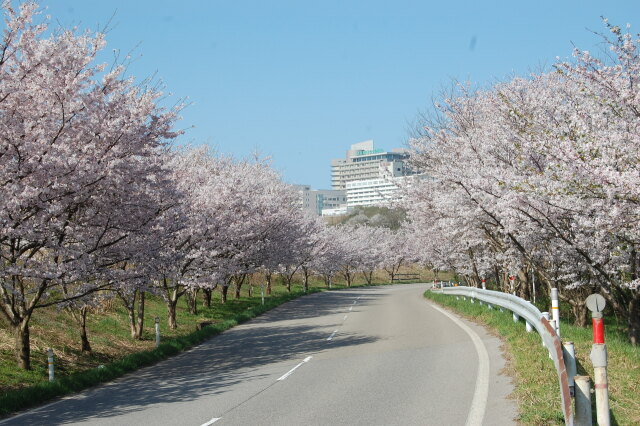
(569, 355)
(528, 327)
(545, 315)
(555, 310)
(50, 364)
(583, 401)
(489, 305)
(516, 317)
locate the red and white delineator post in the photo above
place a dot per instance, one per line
(598, 356)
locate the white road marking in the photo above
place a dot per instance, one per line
(290, 372)
(481, 393)
(351, 309)
(355, 301)
(210, 422)
(332, 334)
(345, 318)
(358, 298)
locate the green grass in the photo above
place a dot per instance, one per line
(536, 384)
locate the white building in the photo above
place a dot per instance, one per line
(317, 200)
(370, 192)
(363, 162)
(338, 211)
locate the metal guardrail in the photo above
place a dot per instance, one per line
(535, 319)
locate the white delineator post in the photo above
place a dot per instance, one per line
(484, 284)
(157, 331)
(533, 285)
(50, 364)
(555, 309)
(262, 292)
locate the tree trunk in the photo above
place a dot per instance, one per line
(171, 314)
(86, 346)
(206, 295)
(268, 277)
(368, 277)
(634, 319)
(305, 280)
(238, 281)
(140, 322)
(192, 301)
(130, 306)
(523, 288)
(23, 344)
(223, 292)
(580, 314)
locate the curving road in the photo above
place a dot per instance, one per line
(368, 356)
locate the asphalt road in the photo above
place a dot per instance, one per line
(369, 356)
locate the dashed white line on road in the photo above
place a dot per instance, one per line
(210, 422)
(345, 318)
(332, 334)
(290, 372)
(351, 309)
(355, 301)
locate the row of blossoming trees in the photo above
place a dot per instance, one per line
(539, 178)
(94, 204)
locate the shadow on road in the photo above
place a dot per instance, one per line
(211, 368)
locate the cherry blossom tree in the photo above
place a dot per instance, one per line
(544, 182)
(80, 148)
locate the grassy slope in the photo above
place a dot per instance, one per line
(537, 389)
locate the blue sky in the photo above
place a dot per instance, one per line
(302, 80)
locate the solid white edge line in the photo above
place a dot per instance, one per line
(290, 372)
(210, 422)
(481, 393)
